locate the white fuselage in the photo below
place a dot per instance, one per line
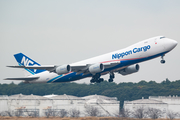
(139, 52)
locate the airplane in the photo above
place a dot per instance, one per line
(124, 62)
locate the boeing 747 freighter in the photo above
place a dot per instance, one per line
(124, 62)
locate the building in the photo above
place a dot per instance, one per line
(24, 105)
(173, 102)
(107, 105)
(164, 103)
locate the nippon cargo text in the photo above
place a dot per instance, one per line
(135, 50)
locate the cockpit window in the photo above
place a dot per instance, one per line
(162, 37)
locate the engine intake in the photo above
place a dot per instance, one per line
(63, 69)
(129, 70)
(96, 68)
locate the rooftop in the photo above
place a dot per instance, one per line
(99, 97)
(144, 101)
(65, 97)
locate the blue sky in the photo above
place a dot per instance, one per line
(66, 31)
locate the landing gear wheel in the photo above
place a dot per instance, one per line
(110, 80)
(95, 78)
(100, 80)
(92, 80)
(163, 61)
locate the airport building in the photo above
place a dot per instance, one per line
(23, 105)
(164, 103)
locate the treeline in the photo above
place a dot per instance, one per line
(123, 91)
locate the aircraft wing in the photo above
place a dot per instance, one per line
(86, 66)
(83, 68)
(23, 78)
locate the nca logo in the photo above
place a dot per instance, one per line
(26, 62)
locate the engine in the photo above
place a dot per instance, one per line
(96, 68)
(63, 69)
(129, 70)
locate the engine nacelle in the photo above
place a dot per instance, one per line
(63, 69)
(130, 69)
(96, 68)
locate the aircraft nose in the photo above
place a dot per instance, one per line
(174, 43)
(170, 44)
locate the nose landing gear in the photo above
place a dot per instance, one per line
(162, 61)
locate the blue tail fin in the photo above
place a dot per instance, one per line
(23, 60)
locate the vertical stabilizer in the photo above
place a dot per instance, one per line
(23, 60)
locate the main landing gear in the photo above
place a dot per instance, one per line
(111, 77)
(96, 78)
(162, 61)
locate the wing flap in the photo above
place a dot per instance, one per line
(76, 68)
(111, 64)
(79, 68)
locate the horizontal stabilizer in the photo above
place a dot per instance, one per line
(42, 67)
(23, 78)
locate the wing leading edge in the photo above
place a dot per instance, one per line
(23, 78)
